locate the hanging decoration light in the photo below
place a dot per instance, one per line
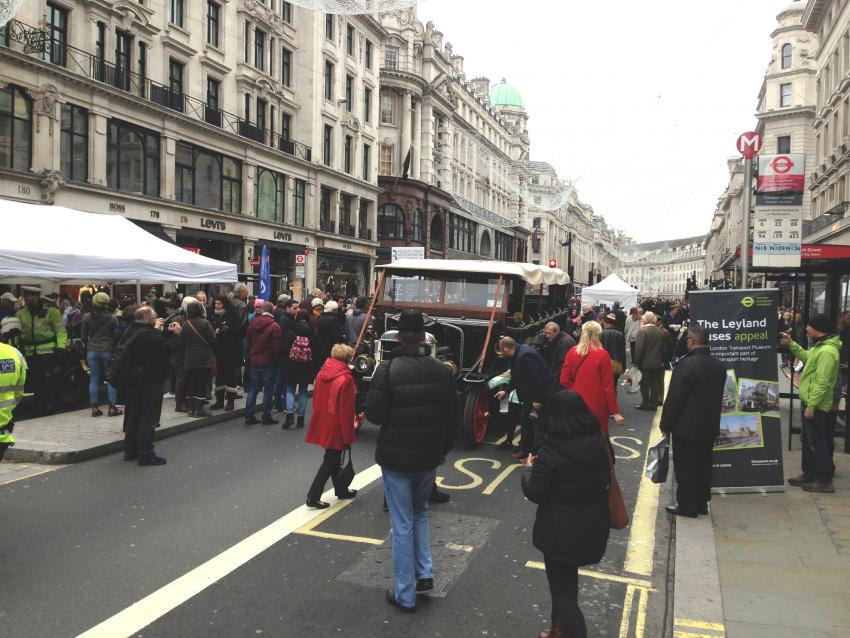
(353, 7)
(8, 9)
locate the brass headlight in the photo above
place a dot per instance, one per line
(364, 364)
(451, 366)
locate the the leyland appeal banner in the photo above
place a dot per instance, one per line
(742, 333)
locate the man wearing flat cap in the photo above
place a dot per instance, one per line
(413, 398)
(42, 335)
(820, 373)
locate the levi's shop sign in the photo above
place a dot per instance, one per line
(782, 173)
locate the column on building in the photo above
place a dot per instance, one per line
(418, 126)
(98, 127)
(167, 158)
(405, 128)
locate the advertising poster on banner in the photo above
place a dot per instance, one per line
(743, 334)
(414, 252)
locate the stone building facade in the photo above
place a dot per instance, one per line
(661, 269)
(218, 125)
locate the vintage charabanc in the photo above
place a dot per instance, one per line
(469, 306)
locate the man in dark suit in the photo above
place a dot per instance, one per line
(692, 414)
(650, 357)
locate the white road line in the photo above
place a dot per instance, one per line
(154, 606)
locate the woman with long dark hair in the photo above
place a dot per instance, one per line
(228, 351)
(569, 480)
(198, 356)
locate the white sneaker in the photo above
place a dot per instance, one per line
(168, 395)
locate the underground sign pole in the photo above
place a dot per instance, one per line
(749, 144)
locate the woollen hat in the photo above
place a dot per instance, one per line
(316, 302)
(411, 321)
(821, 323)
(100, 299)
(259, 302)
(331, 306)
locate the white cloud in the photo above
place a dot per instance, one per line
(641, 101)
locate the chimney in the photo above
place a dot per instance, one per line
(457, 63)
(482, 87)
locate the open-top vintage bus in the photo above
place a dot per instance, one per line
(468, 306)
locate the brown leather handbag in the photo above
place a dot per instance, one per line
(618, 515)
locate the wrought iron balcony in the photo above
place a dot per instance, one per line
(36, 42)
(346, 229)
(834, 214)
(364, 233)
(327, 225)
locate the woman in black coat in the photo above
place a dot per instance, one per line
(228, 351)
(568, 479)
(300, 372)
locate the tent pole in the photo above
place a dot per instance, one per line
(138, 291)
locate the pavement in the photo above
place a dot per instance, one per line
(218, 542)
(771, 565)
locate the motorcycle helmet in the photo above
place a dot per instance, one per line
(10, 327)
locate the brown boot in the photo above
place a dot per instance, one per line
(228, 407)
(96, 411)
(114, 410)
(201, 409)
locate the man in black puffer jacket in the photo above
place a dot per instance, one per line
(413, 398)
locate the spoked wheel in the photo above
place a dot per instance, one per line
(476, 411)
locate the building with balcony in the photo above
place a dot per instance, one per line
(218, 125)
(447, 146)
(661, 269)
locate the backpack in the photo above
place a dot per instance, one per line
(300, 351)
(123, 371)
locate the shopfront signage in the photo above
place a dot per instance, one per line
(407, 253)
(347, 247)
(116, 208)
(741, 327)
(282, 236)
(155, 214)
(213, 224)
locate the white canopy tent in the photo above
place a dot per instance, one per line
(65, 245)
(610, 290)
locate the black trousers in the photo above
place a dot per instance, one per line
(651, 388)
(141, 416)
(40, 379)
(327, 470)
(197, 383)
(692, 466)
(563, 586)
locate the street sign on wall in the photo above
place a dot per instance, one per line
(407, 253)
(749, 144)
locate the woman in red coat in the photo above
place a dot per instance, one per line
(587, 371)
(332, 422)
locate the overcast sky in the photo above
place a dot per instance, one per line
(641, 102)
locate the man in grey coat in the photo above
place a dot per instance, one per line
(650, 356)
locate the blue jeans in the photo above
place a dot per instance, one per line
(407, 500)
(260, 377)
(302, 398)
(98, 362)
(280, 380)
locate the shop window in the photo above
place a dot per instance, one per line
(15, 129)
(269, 189)
(74, 145)
(298, 193)
(390, 222)
(207, 179)
(437, 233)
(462, 234)
(132, 159)
(342, 276)
(418, 228)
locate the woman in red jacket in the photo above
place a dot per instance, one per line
(587, 371)
(332, 422)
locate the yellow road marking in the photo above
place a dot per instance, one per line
(342, 537)
(475, 479)
(636, 582)
(632, 453)
(641, 548)
(627, 611)
(460, 548)
(29, 476)
(690, 634)
(640, 621)
(699, 624)
(498, 480)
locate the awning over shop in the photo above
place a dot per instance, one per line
(609, 291)
(63, 245)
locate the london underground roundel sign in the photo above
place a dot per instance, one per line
(749, 144)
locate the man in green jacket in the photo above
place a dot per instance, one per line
(816, 388)
(42, 335)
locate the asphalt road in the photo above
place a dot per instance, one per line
(84, 543)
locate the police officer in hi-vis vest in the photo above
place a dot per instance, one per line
(13, 375)
(42, 335)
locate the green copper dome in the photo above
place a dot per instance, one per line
(504, 94)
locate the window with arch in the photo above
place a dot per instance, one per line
(207, 179)
(418, 229)
(132, 159)
(15, 129)
(437, 233)
(269, 201)
(390, 222)
(484, 245)
(786, 56)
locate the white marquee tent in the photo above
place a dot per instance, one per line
(64, 245)
(610, 290)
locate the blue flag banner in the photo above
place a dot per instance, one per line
(265, 276)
